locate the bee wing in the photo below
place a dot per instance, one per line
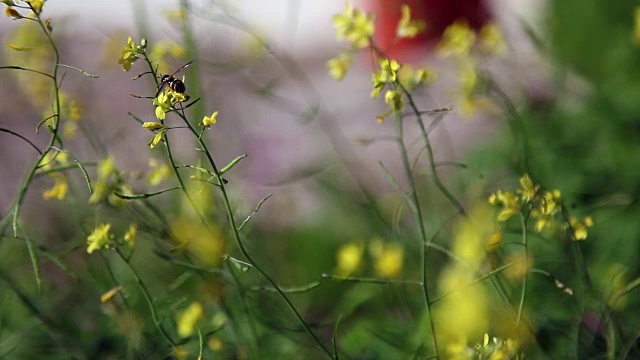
(182, 68)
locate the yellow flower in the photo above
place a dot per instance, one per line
(349, 258)
(163, 104)
(550, 202)
(508, 201)
(394, 99)
(339, 66)
(150, 125)
(188, 319)
(36, 5)
(411, 78)
(99, 238)
(388, 258)
(109, 295)
(579, 227)
(409, 28)
(59, 189)
(130, 236)
(210, 120)
(156, 139)
(164, 50)
(528, 191)
(159, 172)
(129, 54)
(457, 39)
(636, 26)
(215, 344)
(354, 25)
(494, 241)
(491, 40)
(11, 12)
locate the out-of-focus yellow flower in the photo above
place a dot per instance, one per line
(408, 28)
(491, 40)
(457, 39)
(130, 236)
(99, 238)
(36, 5)
(635, 36)
(130, 54)
(527, 190)
(109, 181)
(159, 172)
(35, 88)
(388, 258)
(174, 15)
(580, 227)
(339, 65)
(205, 243)
(210, 120)
(464, 313)
(355, 26)
(394, 99)
(411, 78)
(215, 343)
(164, 50)
(494, 241)
(11, 12)
(509, 202)
(109, 295)
(520, 267)
(349, 258)
(188, 319)
(51, 159)
(59, 189)
(550, 202)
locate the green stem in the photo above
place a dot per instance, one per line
(420, 223)
(147, 296)
(243, 250)
(523, 291)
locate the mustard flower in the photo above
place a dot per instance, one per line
(388, 258)
(491, 40)
(188, 319)
(11, 12)
(339, 66)
(99, 238)
(163, 104)
(130, 236)
(210, 120)
(59, 189)
(355, 26)
(159, 172)
(394, 99)
(411, 78)
(150, 125)
(579, 227)
(109, 295)
(349, 258)
(156, 139)
(36, 5)
(408, 28)
(509, 202)
(528, 191)
(550, 202)
(130, 54)
(457, 39)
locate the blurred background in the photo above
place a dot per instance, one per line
(560, 104)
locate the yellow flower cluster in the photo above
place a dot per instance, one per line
(458, 41)
(545, 208)
(130, 53)
(355, 26)
(101, 238)
(387, 258)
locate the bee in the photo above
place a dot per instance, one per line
(172, 82)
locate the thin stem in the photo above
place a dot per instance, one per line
(243, 250)
(419, 223)
(147, 296)
(523, 291)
